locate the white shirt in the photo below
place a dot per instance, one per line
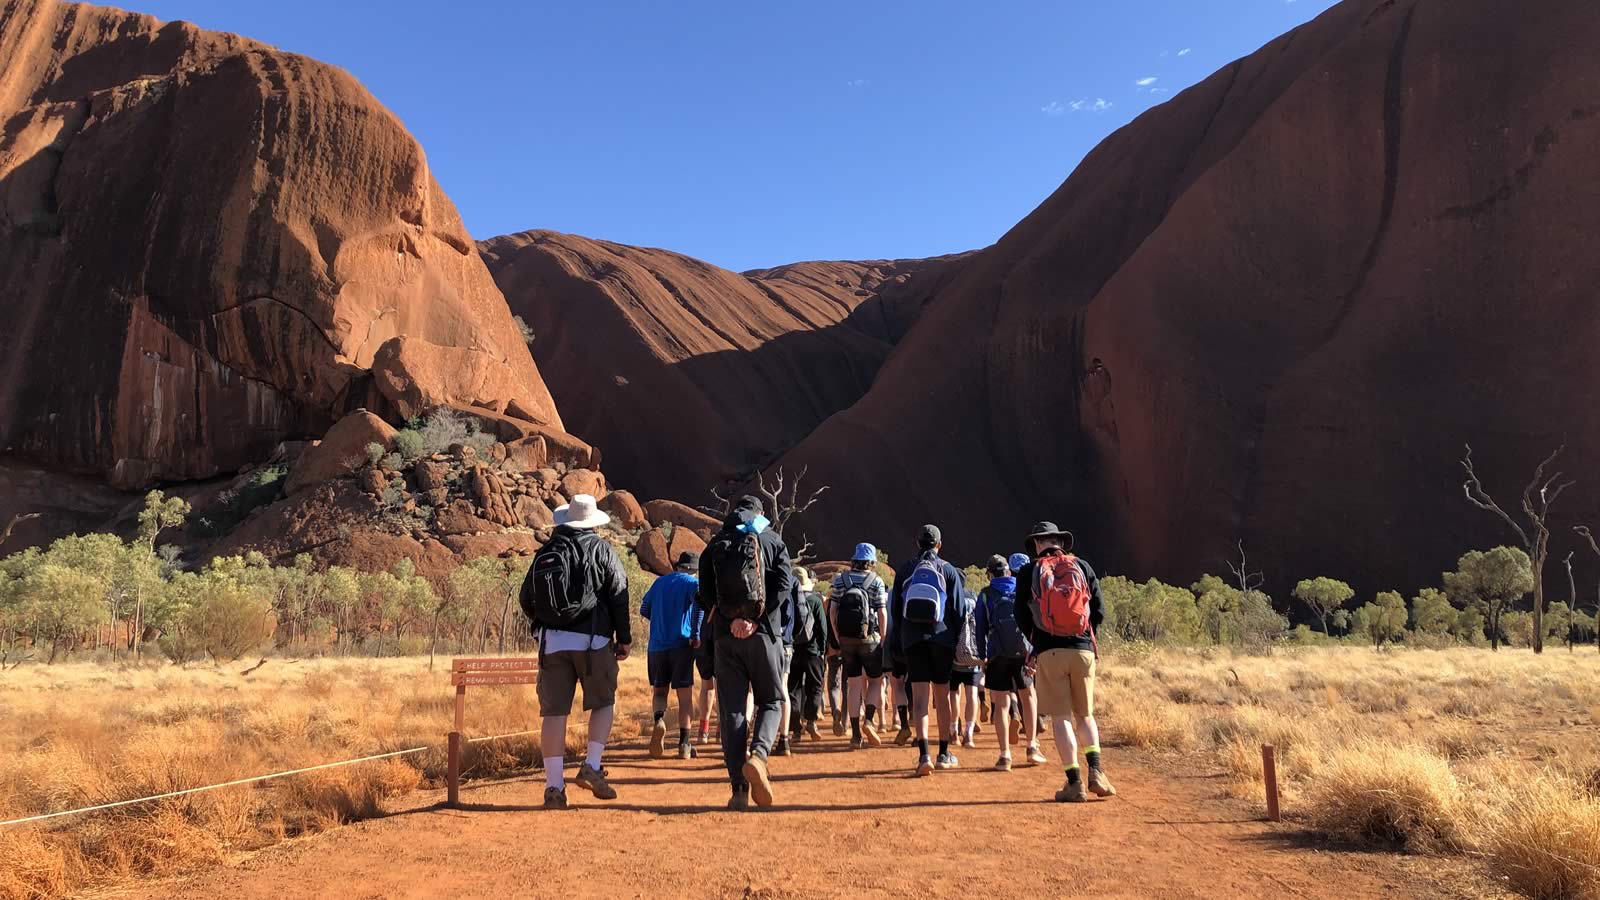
(555, 641)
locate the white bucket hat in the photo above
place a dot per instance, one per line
(581, 513)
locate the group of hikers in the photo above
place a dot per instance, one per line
(769, 649)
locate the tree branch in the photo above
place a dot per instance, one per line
(1473, 488)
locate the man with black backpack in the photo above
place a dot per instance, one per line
(808, 665)
(576, 596)
(1058, 607)
(744, 580)
(859, 614)
(922, 616)
(1007, 649)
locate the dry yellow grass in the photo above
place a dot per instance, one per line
(79, 735)
(1436, 750)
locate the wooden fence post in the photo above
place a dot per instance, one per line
(453, 773)
(1269, 774)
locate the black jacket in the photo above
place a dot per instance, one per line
(774, 560)
(819, 624)
(1043, 640)
(904, 633)
(608, 580)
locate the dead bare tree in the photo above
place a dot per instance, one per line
(1537, 498)
(786, 500)
(1583, 530)
(1248, 580)
(719, 509)
(16, 520)
(1572, 605)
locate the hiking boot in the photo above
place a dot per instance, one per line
(904, 736)
(1003, 764)
(947, 761)
(1100, 784)
(811, 731)
(555, 798)
(1072, 793)
(755, 772)
(782, 747)
(686, 752)
(838, 724)
(658, 739)
(869, 733)
(1036, 756)
(924, 767)
(740, 801)
(595, 782)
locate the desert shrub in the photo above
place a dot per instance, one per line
(639, 581)
(230, 621)
(409, 445)
(1396, 795)
(375, 452)
(1151, 723)
(234, 506)
(1545, 839)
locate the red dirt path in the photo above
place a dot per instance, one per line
(846, 824)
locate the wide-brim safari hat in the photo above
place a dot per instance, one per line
(582, 512)
(1048, 529)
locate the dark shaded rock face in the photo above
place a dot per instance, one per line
(205, 242)
(685, 374)
(1272, 309)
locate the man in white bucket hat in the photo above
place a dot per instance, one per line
(576, 596)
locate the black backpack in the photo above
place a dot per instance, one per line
(853, 610)
(805, 624)
(1006, 639)
(557, 592)
(741, 577)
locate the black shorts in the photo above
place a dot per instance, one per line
(959, 678)
(705, 658)
(861, 659)
(930, 662)
(671, 668)
(1005, 675)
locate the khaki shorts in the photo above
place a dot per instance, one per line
(561, 673)
(1065, 681)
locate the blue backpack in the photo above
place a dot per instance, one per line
(923, 599)
(1006, 640)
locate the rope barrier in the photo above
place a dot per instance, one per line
(252, 780)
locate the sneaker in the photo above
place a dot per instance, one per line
(555, 798)
(924, 767)
(904, 736)
(811, 731)
(838, 724)
(595, 782)
(947, 761)
(782, 747)
(740, 801)
(1072, 793)
(658, 739)
(1100, 784)
(686, 752)
(1003, 764)
(755, 772)
(704, 736)
(1036, 757)
(869, 733)
(857, 743)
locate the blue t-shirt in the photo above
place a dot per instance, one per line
(674, 616)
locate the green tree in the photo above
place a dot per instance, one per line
(230, 619)
(1495, 579)
(62, 603)
(1470, 625)
(1233, 617)
(1384, 619)
(1431, 613)
(1323, 596)
(1153, 611)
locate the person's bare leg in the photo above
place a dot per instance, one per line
(921, 694)
(1000, 717)
(658, 721)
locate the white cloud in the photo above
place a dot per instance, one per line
(1146, 82)
(1053, 108)
(1057, 108)
(857, 82)
(1186, 51)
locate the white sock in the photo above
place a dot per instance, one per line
(595, 749)
(554, 776)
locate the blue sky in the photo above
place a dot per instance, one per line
(754, 134)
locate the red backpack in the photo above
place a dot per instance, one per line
(1060, 596)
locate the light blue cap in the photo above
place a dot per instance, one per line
(1017, 561)
(865, 553)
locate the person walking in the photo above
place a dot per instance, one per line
(705, 662)
(922, 612)
(1006, 650)
(576, 597)
(967, 673)
(675, 619)
(744, 579)
(860, 619)
(1058, 607)
(807, 666)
